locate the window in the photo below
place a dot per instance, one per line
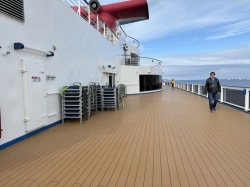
(150, 82)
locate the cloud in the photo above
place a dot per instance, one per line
(227, 63)
(215, 19)
(231, 29)
(225, 71)
(232, 56)
(145, 49)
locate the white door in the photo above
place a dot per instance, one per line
(34, 94)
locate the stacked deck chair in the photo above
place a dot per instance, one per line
(86, 102)
(71, 102)
(109, 98)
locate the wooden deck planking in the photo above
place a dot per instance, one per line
(162, 139)
(27, 173)
(79, 158)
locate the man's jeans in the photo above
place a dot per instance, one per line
(213, 99)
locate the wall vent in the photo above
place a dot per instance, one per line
(13, 9)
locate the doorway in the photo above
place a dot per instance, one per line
(112, 80)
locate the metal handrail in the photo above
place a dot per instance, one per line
(138, 61)
(126, 36)
(246, 107)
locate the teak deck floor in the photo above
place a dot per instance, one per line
(161, 139)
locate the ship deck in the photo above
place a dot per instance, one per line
(162, 139)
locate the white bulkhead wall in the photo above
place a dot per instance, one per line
(130, 76)
(81, 50)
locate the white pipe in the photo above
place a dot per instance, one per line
(50, 115)
(232, 88)
(52, 93)
(37, 50)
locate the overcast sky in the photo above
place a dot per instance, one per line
(194, 37)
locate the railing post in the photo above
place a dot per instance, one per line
(97, 22)
(89, 13)
(104, 29)
(247, 100)
(187, 87)
(79, 8)
(222, 94)
(199, 89)
(192, 88)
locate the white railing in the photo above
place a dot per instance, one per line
(82, 8)
(129, 60)
(229, 95)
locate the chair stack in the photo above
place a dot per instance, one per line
(93, 92)
(99, 97)
(78, 101)
(72, 103)
(120, 93)
(109, 97)
(86, 101)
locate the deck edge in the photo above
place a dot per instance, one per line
(21, 138)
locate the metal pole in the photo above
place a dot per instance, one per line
(79, 8)
(222, 94)
(104, 29)
(97, 22)
(247, 107)
(89, 13)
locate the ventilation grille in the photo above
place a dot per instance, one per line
(12, 9)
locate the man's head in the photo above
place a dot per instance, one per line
(212, 74)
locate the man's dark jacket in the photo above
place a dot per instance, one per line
(211, 87)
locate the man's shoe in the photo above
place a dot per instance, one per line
(211, 110)
(214, 109)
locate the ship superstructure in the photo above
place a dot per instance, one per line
(46, 45)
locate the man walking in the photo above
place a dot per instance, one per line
(213, 88)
